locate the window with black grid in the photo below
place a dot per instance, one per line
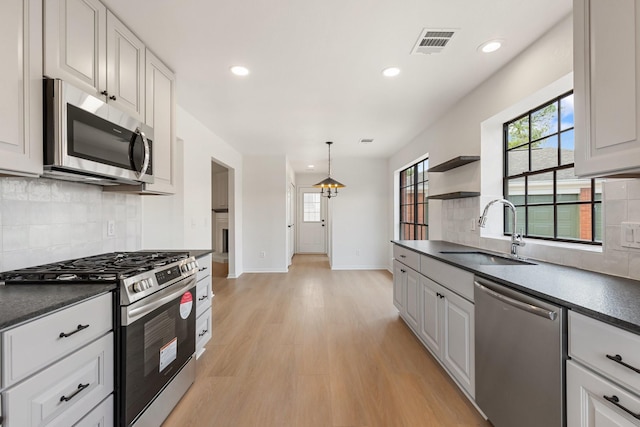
(414, 207)
(539, 179)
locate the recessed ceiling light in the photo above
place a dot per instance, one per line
(391, 72)
(490, 46)
(310, 166)
(239, 70)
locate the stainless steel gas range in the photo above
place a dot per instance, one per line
(154, 324)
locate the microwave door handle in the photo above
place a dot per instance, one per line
(145, 161)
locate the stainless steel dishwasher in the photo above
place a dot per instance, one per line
(520, 353)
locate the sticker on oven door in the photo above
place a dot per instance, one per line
(168, 353)
(185, 305)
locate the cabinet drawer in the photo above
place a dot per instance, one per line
(589, 400)
(100, 416)
(204, 267)
(63, 393)
(203, 295)
(592, 341)
(32, 346)
(407, 257)
(452, 278)
(203, 330)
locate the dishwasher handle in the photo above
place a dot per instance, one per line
(538, 311)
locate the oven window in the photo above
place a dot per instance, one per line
(155, 348)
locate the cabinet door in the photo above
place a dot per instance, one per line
(587, 404)
(160, 115)
(21, 87)
(75, 43)
(412, 300)
(606, 74)
(431, 314)
(458, 352)
(125, 68)
(399, 278)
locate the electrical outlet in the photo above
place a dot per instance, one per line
(111, 228)
(474, 222)
(263, 254)
(630, 235)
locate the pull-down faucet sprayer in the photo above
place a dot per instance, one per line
(516, 239)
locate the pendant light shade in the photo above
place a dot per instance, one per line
(329, 186)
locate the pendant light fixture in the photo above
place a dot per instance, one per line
(329, 185)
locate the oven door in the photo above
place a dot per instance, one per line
(158, 339)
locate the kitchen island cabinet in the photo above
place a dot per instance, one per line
(607, 87)
(21, 87)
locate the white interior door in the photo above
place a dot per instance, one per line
(291, 229)
(312, 221)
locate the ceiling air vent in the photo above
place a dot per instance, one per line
(432, 41)
(366, 141)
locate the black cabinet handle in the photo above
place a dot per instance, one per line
(78, 329)
(403, 256)
(204, 331)
(439, 295)
(614, 399)
(402, 271)
(618, 359)
(112, 97)
(202, 298)
(72, 395)
(105, 93)
(202, 269)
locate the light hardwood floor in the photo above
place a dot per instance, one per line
(316, 347)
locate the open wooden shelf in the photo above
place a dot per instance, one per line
(454, 163)
(455, 195)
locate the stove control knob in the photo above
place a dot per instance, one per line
(146, 283)
(138, 287)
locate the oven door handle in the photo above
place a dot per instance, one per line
(134, 312)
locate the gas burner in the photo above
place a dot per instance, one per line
(67, 277)
(103, 277)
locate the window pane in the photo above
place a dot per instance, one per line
(598, 190)
(566, 112)
(571, 188)
(598, 221)
(567, 147)
(574, 222)
(311, 203)
(540, 221)
(540, 188)
(544, 153)
(515, 191)
(518, 160)
(544, 121)
(518, 132)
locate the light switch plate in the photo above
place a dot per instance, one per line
(630, 235)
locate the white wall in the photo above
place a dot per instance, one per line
(265, 216)
(358, 217)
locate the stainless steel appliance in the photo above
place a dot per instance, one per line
(155, 324)
(88, 140)
(520, 353)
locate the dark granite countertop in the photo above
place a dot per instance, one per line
(612, 299)
(20, 303)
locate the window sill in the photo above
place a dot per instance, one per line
(536, 249)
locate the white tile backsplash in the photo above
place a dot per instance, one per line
(621, 203)
(43, 221)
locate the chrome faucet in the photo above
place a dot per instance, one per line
(516, 239)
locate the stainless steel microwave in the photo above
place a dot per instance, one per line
(87, 139)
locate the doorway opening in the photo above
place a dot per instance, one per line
(220, 206)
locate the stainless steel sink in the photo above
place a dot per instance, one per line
(484, 258)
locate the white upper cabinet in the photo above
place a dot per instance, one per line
(606, 87)
(160, 115)
(21, 87)
(90, 48)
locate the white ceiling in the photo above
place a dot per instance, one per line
(316, 66)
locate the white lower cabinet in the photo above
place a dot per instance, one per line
(592, 401)
(59, 369)
(204, 299)
(447, 329)
(439, 310)
(100, 416)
